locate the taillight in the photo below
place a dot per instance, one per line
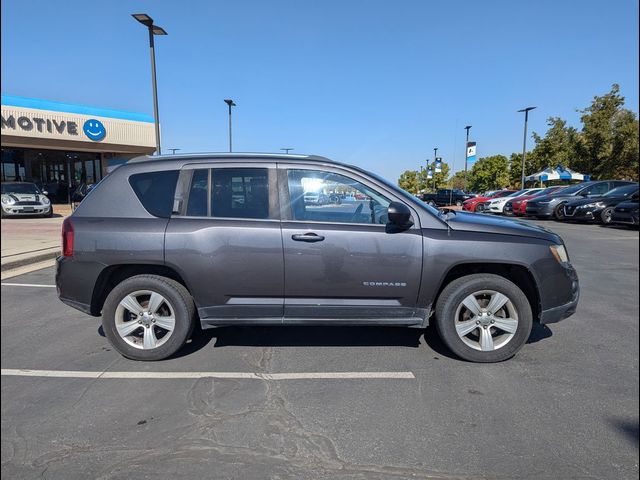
(67, 238)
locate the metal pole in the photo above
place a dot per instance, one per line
(524, 144)
(467, 128)
(230, 141)
(435, 156)
(155, 90)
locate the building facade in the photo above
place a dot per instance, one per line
(62, 147)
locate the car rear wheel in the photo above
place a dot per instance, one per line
(606, 215)
(483, 318)
(458, 203)
(148, 317)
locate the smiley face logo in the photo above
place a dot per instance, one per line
(94, 129)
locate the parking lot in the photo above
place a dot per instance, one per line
(329, 402)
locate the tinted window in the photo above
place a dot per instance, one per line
(622, 191)
(329, 197)
(197, 206)
(597, 189)
(155, 190)
(572, 189)
(240, 193)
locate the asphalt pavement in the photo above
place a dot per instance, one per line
(565, 407)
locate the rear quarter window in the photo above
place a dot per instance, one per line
(156, 191)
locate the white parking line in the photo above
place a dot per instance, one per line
(193, 375)
(6, 284)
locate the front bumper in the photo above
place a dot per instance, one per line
(495, 208)
(626, 218)
(556, 314)
(540, 209)
(581, 213)
(25, 210)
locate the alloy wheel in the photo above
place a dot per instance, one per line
(486, 320)
(145, 319)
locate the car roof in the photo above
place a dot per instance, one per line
(227, 156)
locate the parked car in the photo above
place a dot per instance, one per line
(626, 213)
(472, 204)
(133, 253)
(21, 199)
(552, 206)
(518, 206)
(496, 205)
(599, 209)
(446, 197)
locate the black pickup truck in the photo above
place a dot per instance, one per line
(445, 197)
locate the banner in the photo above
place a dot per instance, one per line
(471, 152)
(429, 173)
(438, 166)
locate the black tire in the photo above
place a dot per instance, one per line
(174, 292)
(558, 212)
(453, 295)
(605, 215)
(50, 214)
(458, 203)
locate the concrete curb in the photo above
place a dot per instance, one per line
(21, 262)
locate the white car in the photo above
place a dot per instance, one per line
(497, 205)
(24, 199)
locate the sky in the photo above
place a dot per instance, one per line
(374, 83)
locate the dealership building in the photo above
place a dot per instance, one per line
(60, 146)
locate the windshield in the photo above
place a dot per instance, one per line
(518, 193)
(20, 188)
(573, 189)
(622, 191)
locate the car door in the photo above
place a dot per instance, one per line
(342, 262)
(224, 239)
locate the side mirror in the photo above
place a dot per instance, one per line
(399, 215)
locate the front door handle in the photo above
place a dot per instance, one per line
(307, 237)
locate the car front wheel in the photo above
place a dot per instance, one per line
(558, 212)
(148, 317)
(606, 215)
(483, 318)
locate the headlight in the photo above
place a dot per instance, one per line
(559, 252)
(7, 200)
(594, 205)
(44, 200)
(544, 201)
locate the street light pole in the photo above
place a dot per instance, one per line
(435, 156)
(466, 145)
(286, 150)
(524, 141)
(230, 103)
(147, 21)
(174, 150)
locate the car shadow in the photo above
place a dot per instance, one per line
(324, 336)
(630, 429)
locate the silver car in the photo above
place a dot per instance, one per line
(24, 199)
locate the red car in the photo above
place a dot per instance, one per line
(519, 205)
(471, 204)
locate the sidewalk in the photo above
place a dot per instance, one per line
(31, 240)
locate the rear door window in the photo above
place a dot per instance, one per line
(229, 193)
(155, 190)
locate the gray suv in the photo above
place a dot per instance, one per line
(233, 239)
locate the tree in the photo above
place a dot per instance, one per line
(409, 181)
(457, 180)
(490, 173)
(557, 147)
(609, 138)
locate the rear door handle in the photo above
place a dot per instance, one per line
(307, 237)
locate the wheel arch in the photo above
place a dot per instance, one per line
(516, 273)
(112, 275)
